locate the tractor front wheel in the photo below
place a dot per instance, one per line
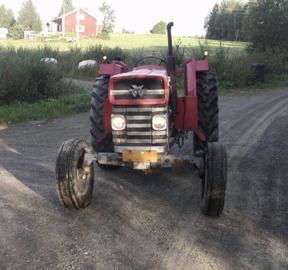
(214, 180)
(74, 181)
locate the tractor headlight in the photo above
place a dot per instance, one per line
(118, 122)
(159, 122)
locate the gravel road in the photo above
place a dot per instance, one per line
(138, 221)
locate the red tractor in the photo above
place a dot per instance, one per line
(137, 117)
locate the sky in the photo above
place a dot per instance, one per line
(134, 15)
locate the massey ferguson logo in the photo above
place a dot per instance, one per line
(137, 91)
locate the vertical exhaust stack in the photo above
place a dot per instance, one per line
(172, 71)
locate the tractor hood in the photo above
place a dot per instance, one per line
(143, 85)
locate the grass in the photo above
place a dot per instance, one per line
(45, 110)
(148, 42)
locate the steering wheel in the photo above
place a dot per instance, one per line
(144, 59)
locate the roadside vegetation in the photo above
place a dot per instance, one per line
(31, 89)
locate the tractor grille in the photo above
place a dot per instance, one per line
(138, 88)
(139, 134)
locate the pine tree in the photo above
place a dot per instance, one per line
(66, 7)
(210, 26)
(225, 21)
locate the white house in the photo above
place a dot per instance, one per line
(3, 32)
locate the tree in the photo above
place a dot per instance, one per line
(28, 16)
(266, 24)
(108, 22)
(210, 25)
(124, 31)
(225, 21)
(66, 7)
(159, 28)
(7, 18)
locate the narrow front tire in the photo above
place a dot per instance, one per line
(214, 180)
(74, 180)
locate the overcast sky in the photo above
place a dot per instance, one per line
(134, 15)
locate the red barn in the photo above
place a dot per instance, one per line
(68, 23)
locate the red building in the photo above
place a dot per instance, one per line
(68, 23)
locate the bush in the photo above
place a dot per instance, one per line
(16, 31)
(275, 62)
(234, 70)
(97, 52)
(69, 61)
(104, 35)
(24, 77)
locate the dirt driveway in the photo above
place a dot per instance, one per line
(137, 221)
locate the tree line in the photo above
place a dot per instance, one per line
(225, 21)
(264, 23)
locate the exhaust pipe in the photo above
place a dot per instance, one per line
(172, 72)
(170, 48)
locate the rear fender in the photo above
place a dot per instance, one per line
(116, 67)
(191, 67)
(187, 106)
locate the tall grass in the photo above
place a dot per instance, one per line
(25, 79)
(233, 68)
(230, 61)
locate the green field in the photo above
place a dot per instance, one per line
(150, 42)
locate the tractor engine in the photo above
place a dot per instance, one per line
(140, 115)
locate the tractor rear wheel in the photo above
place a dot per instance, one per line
(207, 110)
(214, 180)
(97, 127)
(74, 182)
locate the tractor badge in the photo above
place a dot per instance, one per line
(137, 91)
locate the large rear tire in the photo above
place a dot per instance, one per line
(74, 182)
(97, 127)
(214, 181)
(208, 110)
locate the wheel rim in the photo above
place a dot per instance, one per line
(83, 176)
